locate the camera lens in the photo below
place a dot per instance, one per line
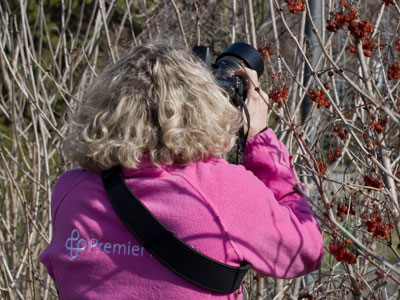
(237, 52)
(227, 63)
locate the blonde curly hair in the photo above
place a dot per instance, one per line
(157, 100)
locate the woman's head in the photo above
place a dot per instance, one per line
(157, 100)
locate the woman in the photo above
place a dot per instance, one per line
(159, 114)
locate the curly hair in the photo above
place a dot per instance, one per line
(158, 101)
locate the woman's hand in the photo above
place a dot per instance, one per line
(255, 105)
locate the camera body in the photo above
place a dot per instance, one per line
(230, 61)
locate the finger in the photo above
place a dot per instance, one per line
(251, 75)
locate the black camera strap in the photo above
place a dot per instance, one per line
(167, 248)
(242, 137)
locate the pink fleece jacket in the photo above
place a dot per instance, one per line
(228, 212)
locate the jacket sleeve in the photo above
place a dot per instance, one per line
(269, 160)
(276, 230)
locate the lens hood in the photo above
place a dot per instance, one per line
(247, 53)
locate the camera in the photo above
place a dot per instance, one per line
(227, 63)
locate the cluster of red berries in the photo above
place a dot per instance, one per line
(340, 19)
(398, 45)
(368, 46)
(344, 3)
(366, 140)
(334, 153)
(281, 93)
(341, 133)
(378, 229)
(394, 71)
(341, 252)
(342, 209)
(379, 125)
(353, 49)
(361, 283)
(295, 5)
(373, 182)
(322, 166)
(265, 51)
(361, 30)
(318, 96)
(387, 2)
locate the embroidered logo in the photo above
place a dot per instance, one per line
(93, 246)
(74, 244)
